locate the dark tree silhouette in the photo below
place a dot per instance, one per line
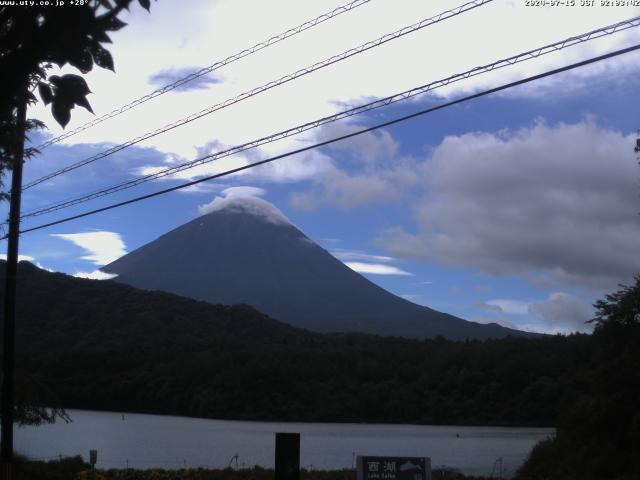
(621, 307)
(599, 435)
(32, 40)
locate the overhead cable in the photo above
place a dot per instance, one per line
(268, 86)
(521, 57)
(206, 70)
(340, 138)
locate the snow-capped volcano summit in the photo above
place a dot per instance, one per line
(247, 204)
(245, 250)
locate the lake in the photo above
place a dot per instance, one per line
(146, 441)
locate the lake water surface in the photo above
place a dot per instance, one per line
(146, 441)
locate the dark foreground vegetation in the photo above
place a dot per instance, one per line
(64, 469)
(107, 346)
(75, 469)
(246, 474)
(599, 435)
(102, 345)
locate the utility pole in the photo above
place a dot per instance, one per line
(9, 319)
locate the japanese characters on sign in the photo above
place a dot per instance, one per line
(394, 468)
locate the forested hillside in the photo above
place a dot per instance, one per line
(103, 345)
(521, 382)
(57, 311)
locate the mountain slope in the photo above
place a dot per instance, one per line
(248, 252)
(106, 346)
(59, 312)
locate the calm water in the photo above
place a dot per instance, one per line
(145, 441)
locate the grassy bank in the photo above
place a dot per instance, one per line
(255, 473)
(76, 469)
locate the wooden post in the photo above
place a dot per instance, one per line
(287, 456)
(9, 320)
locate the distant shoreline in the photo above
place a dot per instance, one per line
(328, 422)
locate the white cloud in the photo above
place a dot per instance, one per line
(533, 327)
(557, 205)
(346, 191)
(102, 247)
(244, 191)
(507, 306)
(173, 38)
(376, 268)
(95, 275)
(561, 312)
(149, 170)
(21, 258)
(245, 199)
(364, 170)
(295, 168)
(203, 170)
(27, 258)
(346, 255)
(166, 76)
(370, 147)
(200, 188)
(564, 311)
(363, 262)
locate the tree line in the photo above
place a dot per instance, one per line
(106, 346)
(103, 345)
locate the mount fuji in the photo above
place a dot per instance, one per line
(244, 250)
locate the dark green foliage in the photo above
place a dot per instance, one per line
(256, 473)
(103, 345)
(621, 307)
(66, 91)
(34, 38)
(64, 469)
(599, 434)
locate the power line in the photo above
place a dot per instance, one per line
(204, 71)
(268, 86)
(342, 137)
(521, 57)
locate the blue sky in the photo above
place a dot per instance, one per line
(519, 208)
